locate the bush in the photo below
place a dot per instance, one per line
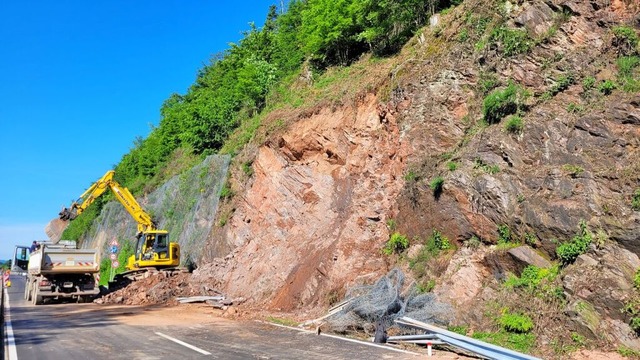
(438, 242)
(504, 234)
(607, 87)
(516, 323)
(500, 103)
(436, 185)
(567, 252)
(626, 40)
(562, 84)
(396, 244)
(511, 41)
(588, 83)
(534, 279)
(514, 125)
(452, 165)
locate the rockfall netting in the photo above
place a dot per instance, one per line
(185, 206)
(385, 301)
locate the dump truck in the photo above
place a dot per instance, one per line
(62, 271)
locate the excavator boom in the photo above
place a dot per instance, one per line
(153, 248)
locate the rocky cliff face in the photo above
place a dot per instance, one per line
(312, 219)
(316, 208)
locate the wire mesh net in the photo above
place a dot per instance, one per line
(184, 205)
(383, 302)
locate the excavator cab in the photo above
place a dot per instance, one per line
(153, 249)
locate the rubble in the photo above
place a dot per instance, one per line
(158, 288)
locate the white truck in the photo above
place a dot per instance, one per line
(62, 271)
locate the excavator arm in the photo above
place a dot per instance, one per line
(153, 248)
(124, 196)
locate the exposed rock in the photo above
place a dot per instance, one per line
(599, 284)
(527, 256)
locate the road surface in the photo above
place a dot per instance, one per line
(89, 331)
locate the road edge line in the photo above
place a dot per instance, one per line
(194, 348)
(341, 338)
(9, 340)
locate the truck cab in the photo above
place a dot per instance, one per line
(20, 260)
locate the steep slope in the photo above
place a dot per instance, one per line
(327, 191)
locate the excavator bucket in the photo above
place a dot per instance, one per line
(55, 228)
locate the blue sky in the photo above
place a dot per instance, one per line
(80, 80)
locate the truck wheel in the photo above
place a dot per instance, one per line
(28, 290)
(37, 299)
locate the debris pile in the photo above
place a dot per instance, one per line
(161, 287)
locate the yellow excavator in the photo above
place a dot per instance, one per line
(153, 249)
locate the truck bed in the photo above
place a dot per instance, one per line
(63, 260)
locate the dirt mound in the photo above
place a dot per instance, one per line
(159, 288)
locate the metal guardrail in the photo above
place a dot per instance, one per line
(481, 348)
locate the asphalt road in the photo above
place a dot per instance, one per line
(90, 331)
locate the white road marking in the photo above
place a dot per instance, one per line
(9, 340)
(204, 352)
(343, 338)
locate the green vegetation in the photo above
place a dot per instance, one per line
(575, 108)
(628, 74)
(568, 251)
(511, 41)
(515, 323)
(504, 234)
(537, 281)
(126, 250)
(411, 176)
(452, 165)
(282, 321)
(79, 225)
(500, 103)
(489, 169)
(626, 40)
(436, 185)
(426, 286)
(588, 83)
(514, 124)
(432, 248)
(397, 243)
(635, 200)
(628, 352)
(636, 280)
(632, 308)
(573, 170)
(487, 81)
(560, 85)
(458, 329)
(606, 87)
(522, 342)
